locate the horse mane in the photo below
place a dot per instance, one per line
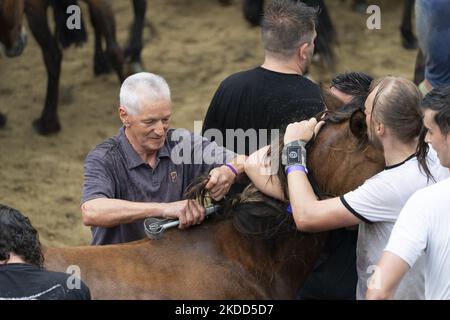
(253, 214)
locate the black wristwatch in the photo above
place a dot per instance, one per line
(294, 153)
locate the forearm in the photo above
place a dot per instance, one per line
(268, 184)
(238, 164)
(303, 200)
(104, 212)
(387, 276)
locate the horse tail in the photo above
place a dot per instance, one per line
(66, 36)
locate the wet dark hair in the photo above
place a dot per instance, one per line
(396, 104)
(18, 236)
(355, 84)
(286, 25)
(439, 100)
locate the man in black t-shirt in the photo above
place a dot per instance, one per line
(22, 276)
(276, 93)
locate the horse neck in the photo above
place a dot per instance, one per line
(281, 265)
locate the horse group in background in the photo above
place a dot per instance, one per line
(108, 53)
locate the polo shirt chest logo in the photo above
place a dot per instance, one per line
(173, 176)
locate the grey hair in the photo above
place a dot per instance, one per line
(287, 25)
(142, 86)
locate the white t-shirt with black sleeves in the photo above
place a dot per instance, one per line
(424, 227)
(378, 203)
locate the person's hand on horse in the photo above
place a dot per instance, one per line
(189, 212)
(304, 130)
(220, 181)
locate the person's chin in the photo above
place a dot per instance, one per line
(156, 144)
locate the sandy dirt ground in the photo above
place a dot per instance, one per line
(198, 44)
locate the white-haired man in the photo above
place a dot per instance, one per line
(134, 175)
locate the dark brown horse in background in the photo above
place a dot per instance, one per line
(252, 251)
(13, 37)
(102, 19)
(105, 59)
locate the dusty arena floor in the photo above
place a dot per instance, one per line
(198, 44)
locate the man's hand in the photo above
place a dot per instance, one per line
(189, 212)
(303, 130)
(220, 181)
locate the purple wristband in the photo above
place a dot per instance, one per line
(296, 168)
(231, 168)
(289, 209)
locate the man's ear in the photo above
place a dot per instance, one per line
(123, 114)
(302, 51)
(380, 128)
(358, 124)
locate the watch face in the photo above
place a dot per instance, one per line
(294, 154)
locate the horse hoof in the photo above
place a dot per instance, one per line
(2, 121)
(133, 67)
(101, 66)
(46, 128)
(409, 41)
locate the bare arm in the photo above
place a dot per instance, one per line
(388, 274)
(105, 212)
(312, 215)
(258, 169)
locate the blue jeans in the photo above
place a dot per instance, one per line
(433, 31)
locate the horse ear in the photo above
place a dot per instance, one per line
(331, 101)
(358, 124)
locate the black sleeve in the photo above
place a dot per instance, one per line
(82, 293)
(85, 292)
(212, 115)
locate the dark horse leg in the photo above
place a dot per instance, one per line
(360, 6)
(2, 120)
(134, 48)
(419, 71)
(409, 40)
(102, 19)
(101, 63)
(253, 11)
(36, 12)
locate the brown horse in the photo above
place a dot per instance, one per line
(252, 251)
(13, 38)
